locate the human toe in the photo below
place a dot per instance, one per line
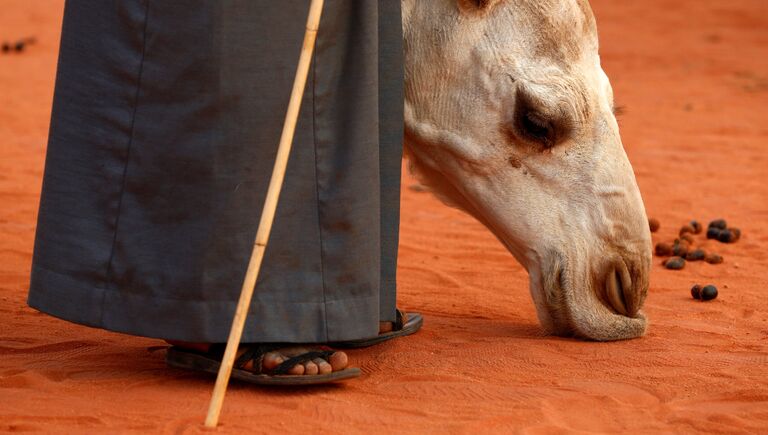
(310, 368)
(323, 367)
(271, 360)
(338, 361)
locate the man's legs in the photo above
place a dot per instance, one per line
(162, 139)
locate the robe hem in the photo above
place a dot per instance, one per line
(269, 321)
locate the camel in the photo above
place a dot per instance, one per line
(509, 117)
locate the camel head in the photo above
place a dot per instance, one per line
(509, 116)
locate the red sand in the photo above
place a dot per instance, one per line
(693, 77)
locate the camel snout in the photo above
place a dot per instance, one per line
(611, 310)
(593, 297)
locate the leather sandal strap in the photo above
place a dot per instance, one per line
(256, 354)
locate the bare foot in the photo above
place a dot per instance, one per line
(335, 362)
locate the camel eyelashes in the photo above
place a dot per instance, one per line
(475, 5)
(535, 127)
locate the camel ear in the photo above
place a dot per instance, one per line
(476, 5)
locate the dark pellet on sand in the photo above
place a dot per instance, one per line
(696, 291)
(708, 292)
(728, 236)
(6, 47)
(686, 229)
(19, 46)
(680, 248)
(674, 263)
(712, 258)
(663, 249)
(733, 237)
(713, 232)
(654, 224)
(696, 226)
(688, 237)
(719, 224)
(695, 255)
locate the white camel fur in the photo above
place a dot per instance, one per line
(509, 116)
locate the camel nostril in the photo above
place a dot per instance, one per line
(615, 292)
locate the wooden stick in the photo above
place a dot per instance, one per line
(267, 215)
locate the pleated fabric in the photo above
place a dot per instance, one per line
(164, 130)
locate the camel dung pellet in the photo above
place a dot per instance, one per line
(686, 229)
(708, 292)
(719, 224)
(688, 237)
(680, 248)
(713, 232)
(736, 233)
(663, 249)
(696, 291)
(713, 258)
(696, 226)
(19, 46)
(6, 47)
(695, 255)
(654, 224)
(674, 263)
(728, 236)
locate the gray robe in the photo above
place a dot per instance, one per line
(165, 125)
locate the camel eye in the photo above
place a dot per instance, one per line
(475, 5)
(535, 127)
(537, 124)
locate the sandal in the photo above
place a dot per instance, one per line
(210, 361)
(405, 324)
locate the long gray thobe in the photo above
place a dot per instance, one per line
(165, 125)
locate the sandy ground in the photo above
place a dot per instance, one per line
(693, 78)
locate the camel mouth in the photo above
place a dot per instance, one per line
(602, 309)
(614, 291)
(611, 327)
(618, 292)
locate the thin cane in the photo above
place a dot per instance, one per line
(267, 215)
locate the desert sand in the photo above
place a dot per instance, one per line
(692, 77)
